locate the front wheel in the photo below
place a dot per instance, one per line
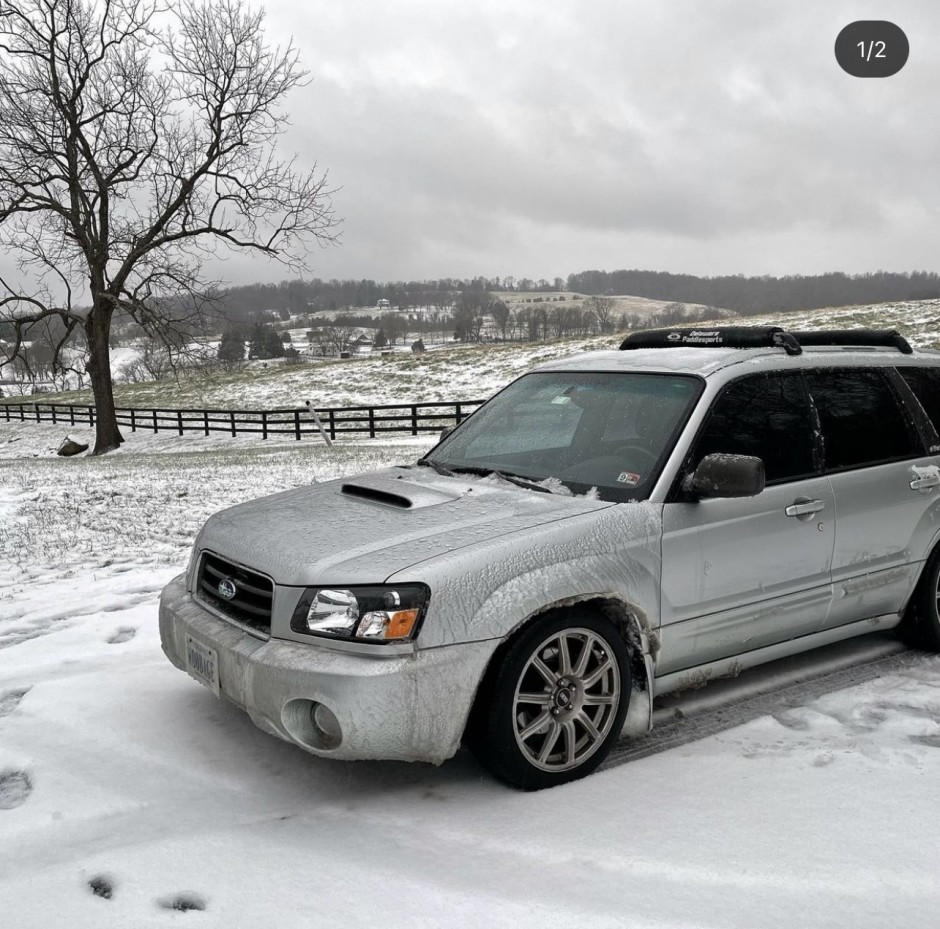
(557, 701)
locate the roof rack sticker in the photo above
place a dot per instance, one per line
(722, 337)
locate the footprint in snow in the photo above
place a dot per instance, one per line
(183, 902)
(124, 634)
(102, 886)
(15, 787)
(11, 700)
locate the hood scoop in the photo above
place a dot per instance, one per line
(398, 493)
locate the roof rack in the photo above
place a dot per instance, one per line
(888, 338)
(764, 337)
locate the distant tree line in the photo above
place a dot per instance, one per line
(759, 295)
(301, 296)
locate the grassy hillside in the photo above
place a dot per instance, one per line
(465, 372)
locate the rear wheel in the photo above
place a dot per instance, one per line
(921, 624)
(556, 703)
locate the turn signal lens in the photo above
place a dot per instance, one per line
(385, 625)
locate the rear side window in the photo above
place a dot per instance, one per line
(862, 420)
(768, 416)
(925, 383)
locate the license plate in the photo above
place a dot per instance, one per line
(202, 663)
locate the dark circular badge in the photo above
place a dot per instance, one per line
(872, 48)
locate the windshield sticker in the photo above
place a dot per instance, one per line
(630, 478)
(562, 399)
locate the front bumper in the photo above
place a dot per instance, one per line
(399, 707)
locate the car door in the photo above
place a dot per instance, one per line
(739, 574)
(885, 486)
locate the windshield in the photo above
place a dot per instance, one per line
(603, 430)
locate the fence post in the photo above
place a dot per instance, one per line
(91, 416)
(297, 425)
(459, 416)
(133, 421)
(371, 422)
(72, 413)
(332, 425)
(179, 421)
(205, 421)
(231, 417)
(36, 409)
(264, 424)
(154, 421)
(414, 420)
(54, 414)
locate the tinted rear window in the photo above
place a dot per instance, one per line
(862, 420)
(925, 382)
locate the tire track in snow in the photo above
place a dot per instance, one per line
(678, 728)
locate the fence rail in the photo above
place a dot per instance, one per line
(409, 418)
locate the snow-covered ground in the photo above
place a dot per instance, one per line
(131, 797)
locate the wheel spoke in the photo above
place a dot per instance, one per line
(599, 700)
(549, 742)
(571, 742)
(540, 699)
(585, 656)
(564, 656)
(535, 725)
(598, 672)
(550, 676)
(589, 726)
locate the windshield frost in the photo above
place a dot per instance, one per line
(606, 430)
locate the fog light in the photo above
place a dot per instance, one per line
(325, 725)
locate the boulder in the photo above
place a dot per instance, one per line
(70, 447)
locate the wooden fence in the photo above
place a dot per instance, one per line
(412, 419)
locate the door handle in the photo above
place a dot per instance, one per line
(803, 509)
(923, 483)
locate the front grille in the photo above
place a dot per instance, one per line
(251, 604)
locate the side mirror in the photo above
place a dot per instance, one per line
(726, 476)
(445, 432)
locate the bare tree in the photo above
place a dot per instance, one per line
(332, 339)
(136, 139)
(603, 310)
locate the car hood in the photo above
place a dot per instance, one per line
(366, 528)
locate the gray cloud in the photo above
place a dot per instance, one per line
(543, 137)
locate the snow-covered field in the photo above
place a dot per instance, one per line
(455, 372)
(131, 797)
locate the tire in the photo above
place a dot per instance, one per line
(555, 701)
(920, 626)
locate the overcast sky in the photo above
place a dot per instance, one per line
(540, 137)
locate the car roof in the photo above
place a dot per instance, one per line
(705, 360)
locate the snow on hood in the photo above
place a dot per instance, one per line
(365, 528)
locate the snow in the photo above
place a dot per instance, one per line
(130, 796)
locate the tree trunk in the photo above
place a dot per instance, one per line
(97, 330)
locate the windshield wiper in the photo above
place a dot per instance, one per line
(516, 479)
(521, 481)
(428, 463)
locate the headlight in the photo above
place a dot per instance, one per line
(369, 614)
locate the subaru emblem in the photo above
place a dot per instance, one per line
(227, 588)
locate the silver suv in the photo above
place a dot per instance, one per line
(606, 529)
